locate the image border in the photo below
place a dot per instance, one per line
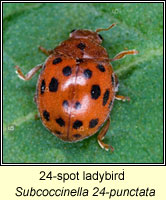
(82, 164)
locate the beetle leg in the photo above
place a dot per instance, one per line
(101, 135)
(45, 51)
(105, 29)
(29, 75)
(123, 54)
(122, 98)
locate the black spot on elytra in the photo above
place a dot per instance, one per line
(106, 97)
(81, 46)
(46, 115)
(77, 124)
(93, 123)
(58, 132)
(101, 67)
(56, 61)
(87, 73)
(53, 86)
(43, 86)
(77, 105)
(60, 121)
(95, 91)
(67, 71)
(65, 104)
(77, 135)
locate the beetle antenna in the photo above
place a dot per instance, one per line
(105, 29)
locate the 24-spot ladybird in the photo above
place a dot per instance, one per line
(77, 87)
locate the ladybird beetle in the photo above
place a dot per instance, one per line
(77, 87)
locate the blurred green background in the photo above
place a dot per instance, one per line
(136, 129)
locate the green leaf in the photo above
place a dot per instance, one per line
(136, 130)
